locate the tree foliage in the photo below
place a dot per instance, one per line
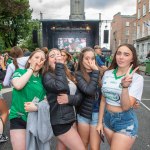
(15, 16)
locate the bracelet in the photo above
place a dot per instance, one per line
(123, 86)
(31, 69)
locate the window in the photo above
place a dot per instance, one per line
(144, 9)
(127, 24)
(149, 5)
(148, 27)
(139, 13)
(127, 32)
(138, 31)
(143, 29)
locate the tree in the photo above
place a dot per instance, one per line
(15, 16)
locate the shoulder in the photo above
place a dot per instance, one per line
(138, 77)
(108, 72)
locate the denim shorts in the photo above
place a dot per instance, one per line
(122, 122)
(93, 121)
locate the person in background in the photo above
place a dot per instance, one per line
(27, 85)
(3, 105)
(26, 52)
(121, 89)
(89, 82)
(63, 96)
(100, 59)
(18, 62)
(67, 59)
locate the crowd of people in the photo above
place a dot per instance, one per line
(76, 98)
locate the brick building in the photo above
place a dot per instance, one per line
(143, 28)
(123, 30)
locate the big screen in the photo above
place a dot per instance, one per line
(72, 44)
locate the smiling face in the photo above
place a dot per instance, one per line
(124, 57)
(89, 55)
(52, 57)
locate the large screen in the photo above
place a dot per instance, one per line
(72, 44)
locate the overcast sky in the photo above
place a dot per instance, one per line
(60, 9)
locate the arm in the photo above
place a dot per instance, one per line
(101, 114)
(20, 82)
(88, 88)
(56, 83)
(9, 73)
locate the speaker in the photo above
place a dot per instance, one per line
(106, 35)
(34, 36)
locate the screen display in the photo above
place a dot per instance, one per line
(72, 44)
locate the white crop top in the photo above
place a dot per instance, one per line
(111, 88)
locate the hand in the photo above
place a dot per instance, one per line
(92, 64)
(126, 81)
(136, 105)
(30, 107)
(62, 99)
(59, 59)
(100, 128)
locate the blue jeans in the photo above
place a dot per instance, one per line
(93, 121)
(122, 122)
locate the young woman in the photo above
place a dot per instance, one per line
(62, 96)
(27, 85)
(18, 62)
(122, 89)
(89, 83)
(67, 59)
(3, 105)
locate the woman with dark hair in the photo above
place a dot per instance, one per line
(19, 61)
(27, 85)
(121, 89)
(89, 82)
(62, 96)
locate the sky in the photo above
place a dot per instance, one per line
(60, 9)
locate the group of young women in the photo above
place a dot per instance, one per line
(84, 105)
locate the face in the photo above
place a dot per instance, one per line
(124, 57)
(98, 51)
(39, 58)
(52, 57)
(89, 55)
(64, 55)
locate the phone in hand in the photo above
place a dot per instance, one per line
(102, 136)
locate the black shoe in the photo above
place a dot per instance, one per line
(3, 138)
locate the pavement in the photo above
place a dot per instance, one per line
(143, 113)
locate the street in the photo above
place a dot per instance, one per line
(143, 140)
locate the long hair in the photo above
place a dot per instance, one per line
(135, 60)
(31, 55)
(81, 67)
(15, 53)
(48, 68)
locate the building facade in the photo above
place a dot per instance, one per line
(123, 30)
(143, 29)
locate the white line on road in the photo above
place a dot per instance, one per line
(145, 99)
(145, 106)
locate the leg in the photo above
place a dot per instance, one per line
(109, 134)
(121, 141)
(18, 139)
(72, 140)
(94, 139)
(60, 145)
(3, 110)
(84, 132)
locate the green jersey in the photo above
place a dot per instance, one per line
(32, 89)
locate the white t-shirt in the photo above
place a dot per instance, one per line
(111, 88)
